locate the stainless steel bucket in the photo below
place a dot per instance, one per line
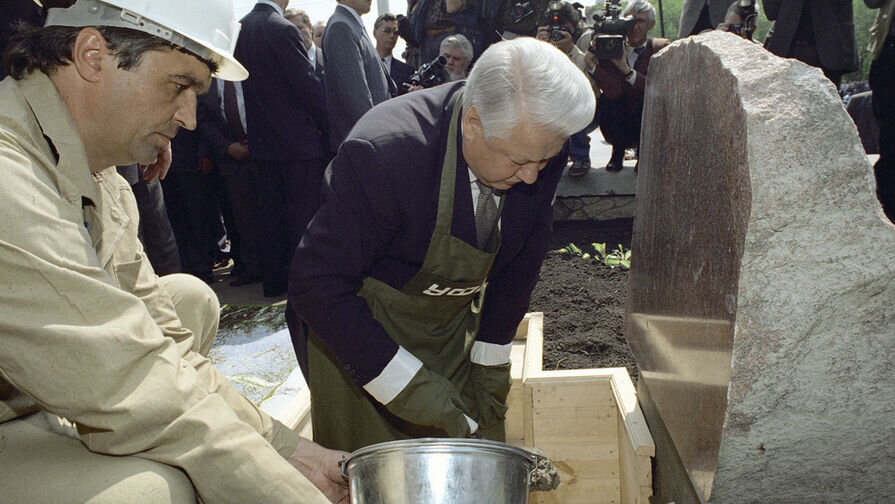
(439, 471)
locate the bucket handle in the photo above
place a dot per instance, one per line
(343, 464)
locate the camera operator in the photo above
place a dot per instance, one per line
(451, 65)
(740, 19)
(561, 31)
(623, 80)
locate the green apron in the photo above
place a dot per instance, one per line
(435, 317)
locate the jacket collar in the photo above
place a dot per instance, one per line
(270, 4)
(59, 128)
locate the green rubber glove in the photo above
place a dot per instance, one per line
(488, 387)
(431, 399)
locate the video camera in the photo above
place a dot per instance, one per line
(749, 15)
(430, 74)
(610, 30)
(520, 11)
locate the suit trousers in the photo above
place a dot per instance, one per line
(43, 460)
(289, 195)
(155, 232)
(194, 215)
(620, 122)
(882, 83)
(242, 193)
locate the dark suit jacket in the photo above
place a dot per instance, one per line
(834, 30)
(380, 200)
(693, 8)
(215, 129)
(355, 78)
(285, 105)
(613, 84)
(400, 73)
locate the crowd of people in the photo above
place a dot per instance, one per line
(294, 137)
(245, 184)
(405, 215)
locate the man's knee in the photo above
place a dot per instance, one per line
(41, 465)
(197, 307)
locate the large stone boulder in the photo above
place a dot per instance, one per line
(761, 298)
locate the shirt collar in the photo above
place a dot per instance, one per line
(59, 127)
(353, 13)
(275, 6)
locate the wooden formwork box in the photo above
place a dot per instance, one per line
(586, 420)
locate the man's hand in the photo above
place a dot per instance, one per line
(590, 61)
(238, 150)
(622, 65)
(322, 468)
(564, 44)
(204, 165)
(160, 168)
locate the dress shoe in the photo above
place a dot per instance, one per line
(614, 166)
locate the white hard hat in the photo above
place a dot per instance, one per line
(203, 27)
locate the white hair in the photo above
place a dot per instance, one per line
(460, 42)
(635, 6)
(525, 79)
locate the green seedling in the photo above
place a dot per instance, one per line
(614, 258)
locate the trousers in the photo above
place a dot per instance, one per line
(44, 461)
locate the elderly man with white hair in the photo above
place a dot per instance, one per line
(457, 50)
(406, 291)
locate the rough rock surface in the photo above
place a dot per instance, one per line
(761, 304)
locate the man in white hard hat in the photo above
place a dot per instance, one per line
(105, 395)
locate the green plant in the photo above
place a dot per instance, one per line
(618, 257)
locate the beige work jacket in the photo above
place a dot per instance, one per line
(88, 333)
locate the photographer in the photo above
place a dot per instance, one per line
(623, 80)
(740, 19)
(562, 32)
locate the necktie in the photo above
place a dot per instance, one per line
(485, 214)
(231, 110)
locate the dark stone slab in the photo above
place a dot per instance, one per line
(760, 298)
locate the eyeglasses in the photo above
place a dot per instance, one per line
(388, 30)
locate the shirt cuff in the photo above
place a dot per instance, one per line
(284, 439)
(473, 426)
(633, 77)
(490, 354)
(396, 375)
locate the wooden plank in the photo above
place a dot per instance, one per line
(635, 424)
(534, 346)
(581, 390)
(583, 490)
(298, 412)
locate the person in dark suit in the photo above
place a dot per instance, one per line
(155, 232)
(302, 21)
(285, 120)
(622, 82)
(355, 78)
(700, 15)
(191, 202)
(226, 137)
(882, 82)
(820, 33)
(385, 31)
(405, 294)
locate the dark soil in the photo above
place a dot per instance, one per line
(583, 300)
